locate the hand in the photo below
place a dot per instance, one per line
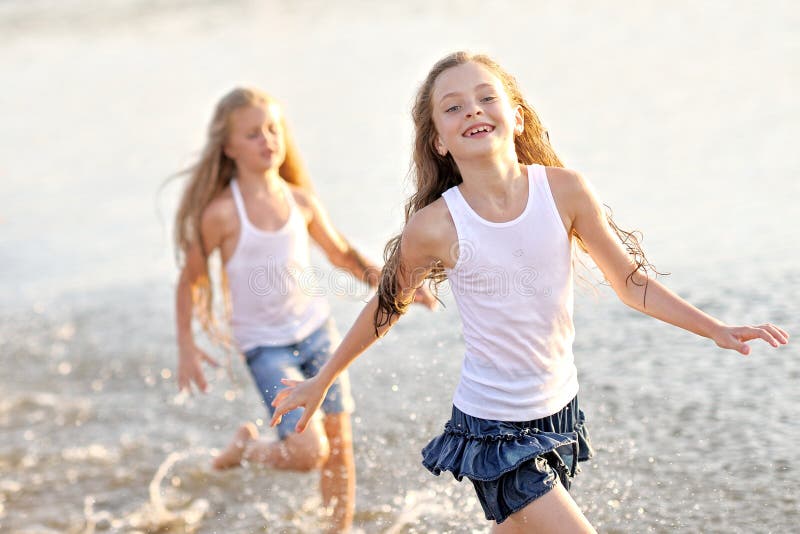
(308, 394)
(190, 368)
(734, 337)
(424, 296)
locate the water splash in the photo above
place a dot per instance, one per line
(154, 515)
(413, 508)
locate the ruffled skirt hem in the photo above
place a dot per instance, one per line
(510, 463)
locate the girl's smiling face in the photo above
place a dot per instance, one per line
(255, 140)
(472, 113)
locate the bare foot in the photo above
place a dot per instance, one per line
(234, 452)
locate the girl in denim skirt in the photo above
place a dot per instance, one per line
(497, 215)
(249, 198)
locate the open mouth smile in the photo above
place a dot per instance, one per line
(478, 130)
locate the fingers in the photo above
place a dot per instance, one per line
(211, 361)
(185, 379)
(282, 401)
(777, 333)
(183, 382)
(276, 419)
(195, 374)
(280, 396)
(303, 422)
(281, 409)
(190, 369)
(770, 333)
(762, 333)
(200, 380)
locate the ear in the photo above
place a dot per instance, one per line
(440, 148)
(228, 152)
(519, 121)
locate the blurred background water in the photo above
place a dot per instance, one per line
(684, 116)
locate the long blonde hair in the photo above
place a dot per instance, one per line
(433, 174)
(208, 178)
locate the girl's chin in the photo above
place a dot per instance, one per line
(484, 152)
(263, 169)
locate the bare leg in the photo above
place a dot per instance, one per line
(298, 452)
(555, 512)
(338, 480)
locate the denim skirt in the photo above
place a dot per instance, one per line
(511, 464)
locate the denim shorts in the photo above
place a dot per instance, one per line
(299, 361)
(511, 464)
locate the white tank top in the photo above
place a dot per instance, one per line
(274, 292)
(513, 287)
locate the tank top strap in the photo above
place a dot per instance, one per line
(457, 205)
(544, 195)
(239, 201)
(538, 179)
(294, 209)
(287, 188)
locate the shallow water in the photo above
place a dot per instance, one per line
(684, 119)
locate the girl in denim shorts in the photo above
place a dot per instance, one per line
(497, 215)
(249, 198)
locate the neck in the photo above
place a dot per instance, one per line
(268, 181)
(493, 177)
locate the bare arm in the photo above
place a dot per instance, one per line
(339, 252)
(589, 221)
(343, 255)
(416, 260)
(190, 357)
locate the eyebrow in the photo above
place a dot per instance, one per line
(456, 93)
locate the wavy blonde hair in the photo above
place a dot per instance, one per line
(432, 174)
(208, 178)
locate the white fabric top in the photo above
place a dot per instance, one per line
(513, 287)
(273, 289)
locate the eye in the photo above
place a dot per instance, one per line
(452, 108)
(488, 99)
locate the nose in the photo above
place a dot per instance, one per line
(474, 112)
(270, 137)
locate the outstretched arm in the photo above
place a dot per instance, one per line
(417, 261)
(339, 252)
(590, 223)
(342, 254)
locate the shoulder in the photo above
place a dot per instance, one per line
(302, 196)
(564, 180)
(306, 201)
(430, 222)
(431, 229)
(570, 188)
(220, 208)
(220, 215)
